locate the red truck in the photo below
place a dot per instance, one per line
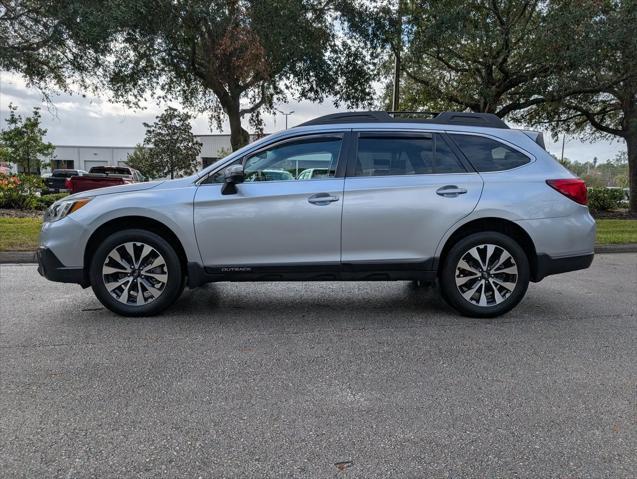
(103, 176)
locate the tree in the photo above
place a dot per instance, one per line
(23, 142)
(171, 148)
(46, 40)
(496, 56)
(142, 160)
(229, 58)
(470, 54)
(236, 57)
(603, 33)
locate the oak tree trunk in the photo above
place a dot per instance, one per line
(631, 146)
(238, 136)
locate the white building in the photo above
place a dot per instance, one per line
(85, 157)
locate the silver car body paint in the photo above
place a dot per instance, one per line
(374, 219)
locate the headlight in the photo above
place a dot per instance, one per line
(62, 208)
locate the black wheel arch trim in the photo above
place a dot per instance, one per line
(50, 267)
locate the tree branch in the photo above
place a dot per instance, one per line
(590, 116)
(257, 105)
(448, 95)
(521, 105)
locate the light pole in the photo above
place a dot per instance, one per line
(286, 116)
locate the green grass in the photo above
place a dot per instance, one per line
(21, 234)
(616, 231)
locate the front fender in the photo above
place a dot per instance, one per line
(170, 207)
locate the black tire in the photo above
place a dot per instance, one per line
(496, 297)
(171, 271)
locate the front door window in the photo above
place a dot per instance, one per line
(305, 159)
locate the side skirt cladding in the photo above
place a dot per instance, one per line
(198, 275)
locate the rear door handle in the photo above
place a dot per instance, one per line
(450, 191)
(322, 199)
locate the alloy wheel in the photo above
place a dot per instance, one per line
(135, 273)
(486, 275)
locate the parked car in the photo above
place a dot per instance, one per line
(311, 173)
(56, 182)
(270, 175)
(103, 176)
(460, 198)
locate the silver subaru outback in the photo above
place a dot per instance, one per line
(459, 198)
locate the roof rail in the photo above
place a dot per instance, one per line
(445, 118)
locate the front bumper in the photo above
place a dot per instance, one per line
(52, 269)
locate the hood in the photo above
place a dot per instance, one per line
(116, 189)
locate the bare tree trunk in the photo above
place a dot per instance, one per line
(631, 146)
(238, 136)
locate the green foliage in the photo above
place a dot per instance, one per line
(468, 54)
(604, 199)
(142, 159)
(19, 191)
(23, 141)
(227, 58)
(603, 77)
(169, 149)
(44, 201)
(54, 43)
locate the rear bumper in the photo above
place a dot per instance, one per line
(546, 265)
(52, 269)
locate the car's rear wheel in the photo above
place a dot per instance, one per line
(485, 275)
(136, 273)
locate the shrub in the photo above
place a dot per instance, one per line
(604, 199)
(19, 191)
(45, 201)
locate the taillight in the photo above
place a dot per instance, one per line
(68, 184)
(572, 188)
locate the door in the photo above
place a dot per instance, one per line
(279, 214)
(403, 191)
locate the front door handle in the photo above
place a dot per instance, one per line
(450, 191)
(322, 199)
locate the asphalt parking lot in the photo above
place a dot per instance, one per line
(321, 380)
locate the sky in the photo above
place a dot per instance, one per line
(94, 121)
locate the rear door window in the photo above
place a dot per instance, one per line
(390, 154)
(486, 154)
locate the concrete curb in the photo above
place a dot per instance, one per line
(29, 256)
(616, 248)
(17, 257)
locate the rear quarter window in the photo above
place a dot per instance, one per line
(486, 154)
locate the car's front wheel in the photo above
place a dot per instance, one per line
(485, 274)
(136, 273)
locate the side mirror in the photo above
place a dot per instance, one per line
(232, 176)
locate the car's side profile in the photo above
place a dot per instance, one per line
(459, 198)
